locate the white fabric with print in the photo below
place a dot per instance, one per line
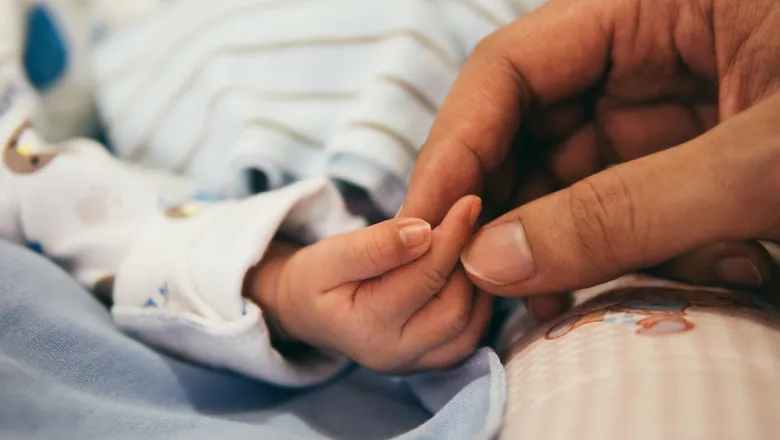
(179, 271)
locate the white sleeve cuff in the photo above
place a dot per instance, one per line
(180, 288)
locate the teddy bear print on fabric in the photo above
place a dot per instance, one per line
(651, 312)
(20, 154)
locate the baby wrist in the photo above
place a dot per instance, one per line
(263, 285)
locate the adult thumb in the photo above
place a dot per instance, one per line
(634, 215)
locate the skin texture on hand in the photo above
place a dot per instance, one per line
(545, 107)
(392, 297)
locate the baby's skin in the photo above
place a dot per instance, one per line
(392, 296)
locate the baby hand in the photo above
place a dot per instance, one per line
(391, 296)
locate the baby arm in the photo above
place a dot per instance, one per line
(389, 296)
(176, 265)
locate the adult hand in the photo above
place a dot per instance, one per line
(548, 102)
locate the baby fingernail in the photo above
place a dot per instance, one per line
(500, 255)
(415, 233)
(740, 271)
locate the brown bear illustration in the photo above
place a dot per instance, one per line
(651, 311)
(18, 158)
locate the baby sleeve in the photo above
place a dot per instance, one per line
(174, 260)
(180, 287)
(176, 264)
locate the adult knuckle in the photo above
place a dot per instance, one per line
(751, 191)
(587, 211)
(604, 218)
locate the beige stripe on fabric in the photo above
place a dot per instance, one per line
(273, 126)
(414, 92)
(287, 131)
(202, 137)
(409, 147)
(483, 12)
(167, 51)
(213, 103)
(138, 151)
(200, 140)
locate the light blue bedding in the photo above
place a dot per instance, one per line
(67, 372)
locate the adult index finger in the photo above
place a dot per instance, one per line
(554, 53)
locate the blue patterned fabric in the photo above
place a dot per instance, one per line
(46, 51)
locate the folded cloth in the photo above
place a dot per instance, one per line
(346, 89)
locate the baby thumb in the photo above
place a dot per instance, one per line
(369, 252)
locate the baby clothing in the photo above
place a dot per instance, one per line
(176, 264)
(346, 89)
(207, 93)
(641, 358)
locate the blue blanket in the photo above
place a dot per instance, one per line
(67, 372)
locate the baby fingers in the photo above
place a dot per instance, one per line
(397, 295)
(462, 344)
(368, 252)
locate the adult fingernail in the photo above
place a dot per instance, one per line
(398, 214)
(415, 233)
(740, 271)
(500, 255)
